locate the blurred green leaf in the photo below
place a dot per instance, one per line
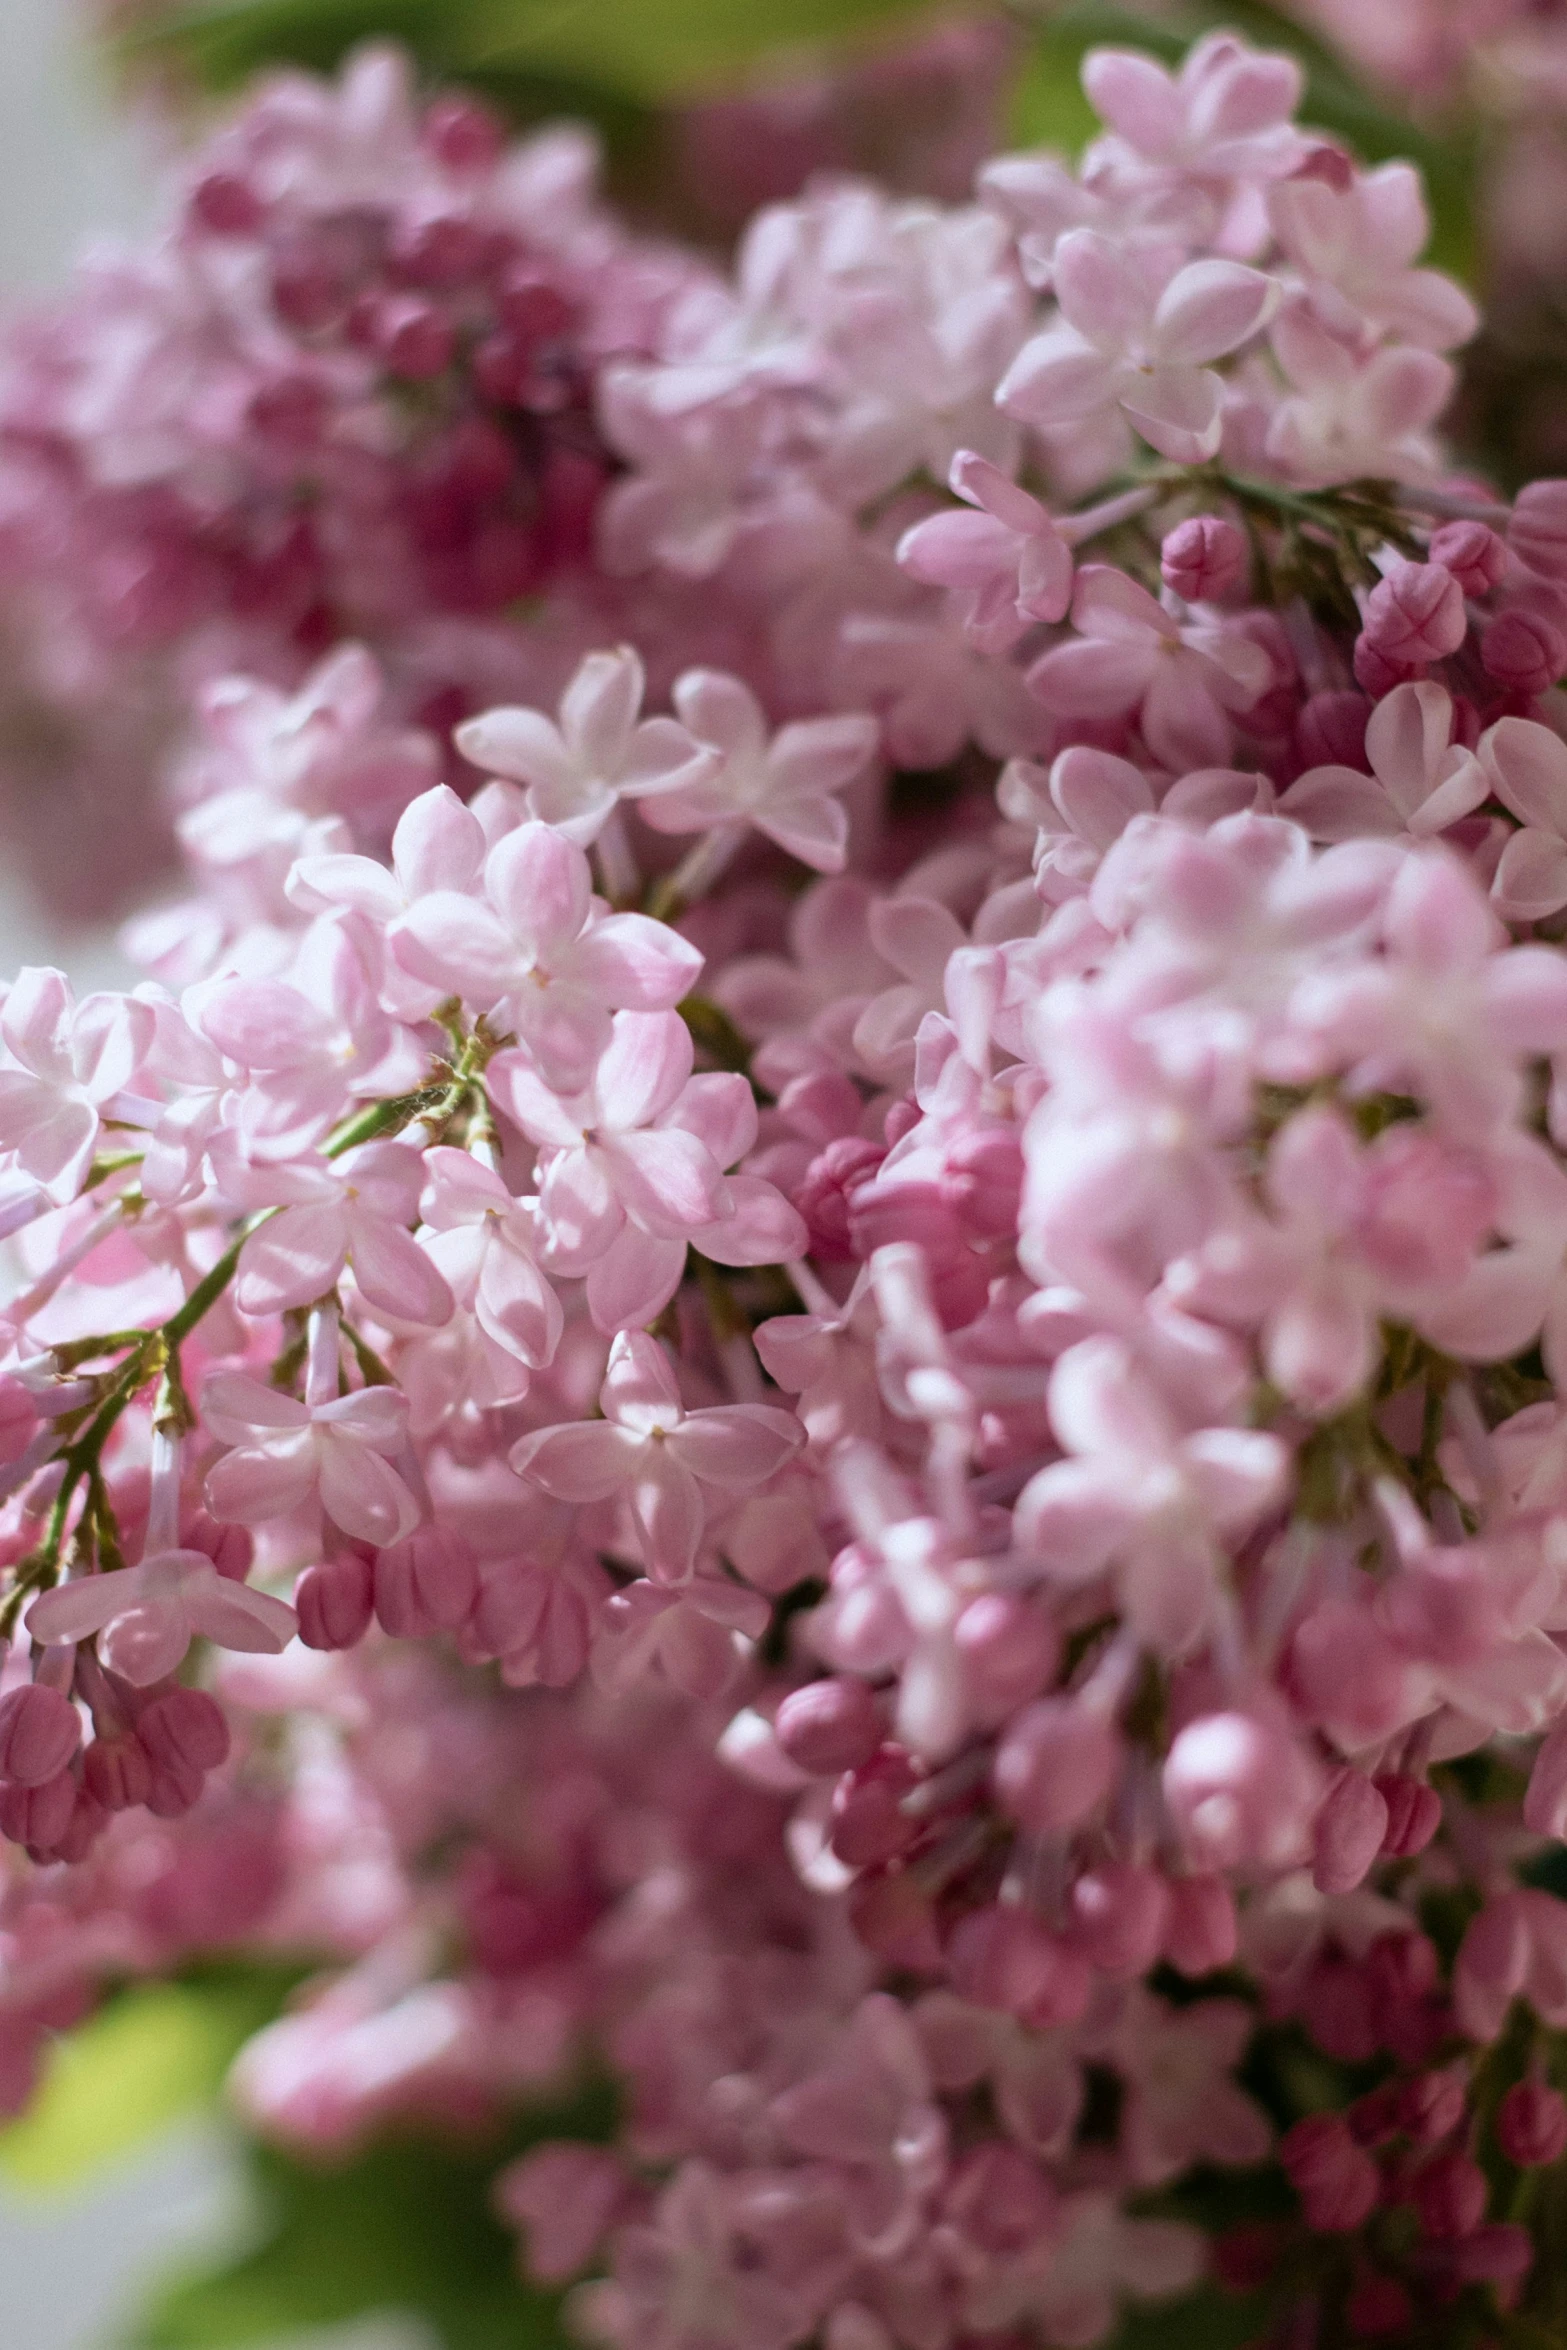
(153, 2052)
(1204, 2320)
(648, 51)
(406, 2226)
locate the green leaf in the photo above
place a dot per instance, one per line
(153, 2053)
(404, 2226)
(1204, 2320)
(647, 51)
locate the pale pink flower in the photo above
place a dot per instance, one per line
(600, 753)
(683, 2281)
(1357, 247)
(1141, 1494)
(1138, 331)
(438, 845)
(540, 957)
(485, 1244)
(286, 1453)
(1525, 766)
(918, 936)
(631, 1170)
(1421, 781)
(1069, 2286)
(309, 1044)
(1225, 114)
(657, 1456)
(1349, 416)
(147, 1616)
(65, 1062)
(1009, 558)
(1184, 677)
(1182, 2104)
(786, 787)
(356, 1210)
(698, 1635)
(870, 2112)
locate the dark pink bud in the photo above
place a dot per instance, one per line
(1531, 2125)
(1378, 2306)
(1056, 1764)
(38, 1816)
(895, 1918)
(117, 1772)
(232, 1549)
(1450, 2196)
(869, 1825)
(827, 1189)
(1010, 1648)
(225, 205)
(1416, 614)
(292, 412)
(1414, 1814)
(1376, 2116)
(1377, 673)
(39, 1733)
(1433, 2106)
(1200, 1932)
(428, 1583)
(1348, 1834)
(1474, 555)
(176, 1787)
(82, 1830)
(1002, 1957)
(462, 133)
(187, 1727)
(1501, 2254)
(982, 1182)
(534, 307)
(442, 252)
(335, 1601)
(829, 1726)
(1336, 2180)
(1118, 1916)
(1331, 730)
(1538, 530)
(1523, 651)
(415, 339)
(1329, 164)
(1203, 558)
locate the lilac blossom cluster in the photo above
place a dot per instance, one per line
(345, 391)
(992, 1334)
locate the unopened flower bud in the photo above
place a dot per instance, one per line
(1240, 1790)
(1450, 2196)
(1538, 530)
(39, 1733)
(1416, 614)
(1003, 1957)
(38, 1816)
(1523, 651)
(1531, 2125)
(428, 1583)
(895, 1918)
(1378, 2307)
(1203, 558)
(1331, 730)
(1118, 1916)
(1433, 2106)
(869, 1825)
(1200, 1931)
(1348, 1833)
(335, 1601)
(1414, 1814)
(1474, 555)
(1336, 2180)
(185, 1726)
(1010, 1648)
(118, 1772)
(226, 205)
(829, 1726)
(1056, 1764)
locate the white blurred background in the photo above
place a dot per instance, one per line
(74, 2262)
